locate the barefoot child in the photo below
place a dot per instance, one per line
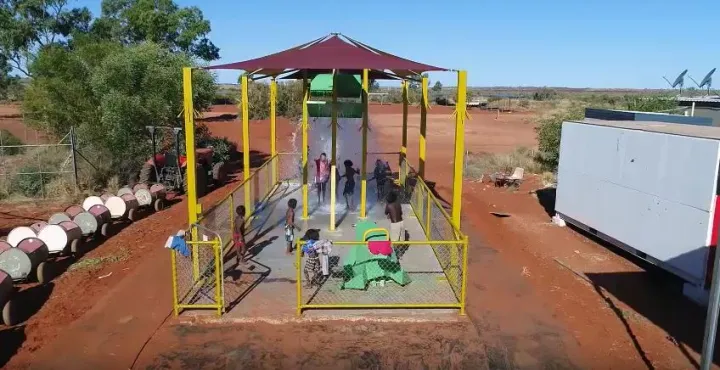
(349, 190)
(239, 234)
(290, 224)
(312, 264)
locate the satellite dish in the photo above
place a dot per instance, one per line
(679, 81)
(706, 82)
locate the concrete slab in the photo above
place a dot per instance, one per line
(265, 289)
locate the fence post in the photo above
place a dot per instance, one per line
(463, 290)
(72, 153)
(428, 213)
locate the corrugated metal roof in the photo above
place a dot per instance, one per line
(707, 132)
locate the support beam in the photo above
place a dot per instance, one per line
(365, 119)
(333, 197)
(304, 124)
(459, 157)
(246, 144)
(190, 173)
(403, 146)
(334, 121)
(423, 126)
(273, 130)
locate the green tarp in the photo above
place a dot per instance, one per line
(361, 266)
(348, 86)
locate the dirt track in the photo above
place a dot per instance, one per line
(527, 310)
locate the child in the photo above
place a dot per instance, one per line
(322, 174)
(290, 224)
(380, 176)
(239, 234)
(349, 189)
(393, 211)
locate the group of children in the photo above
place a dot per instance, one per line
(322, 177)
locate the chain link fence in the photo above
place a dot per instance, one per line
(37, 168)
(197, 273)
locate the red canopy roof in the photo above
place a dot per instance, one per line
(334, 51)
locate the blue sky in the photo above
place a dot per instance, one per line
(580, 43)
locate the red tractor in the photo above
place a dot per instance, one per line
(169, 168)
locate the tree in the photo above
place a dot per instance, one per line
(159, 21)
(374, 86)
(109, 93)
(437, 87)
(30, 25)
(7, 82)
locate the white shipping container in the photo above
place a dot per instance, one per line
(648, 187)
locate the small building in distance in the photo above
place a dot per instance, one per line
(702, 106)
(625, 115)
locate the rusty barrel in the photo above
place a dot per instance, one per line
(73, 211)
(19, 233)
(58, 237)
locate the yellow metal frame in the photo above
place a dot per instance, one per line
(273, 129)
(423, 127)
(246, 143)
(306, 96)
(375, 230)
(459, 158)
(365, 120)
(403, 146)
(333, 196)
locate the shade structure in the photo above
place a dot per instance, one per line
(334, 51)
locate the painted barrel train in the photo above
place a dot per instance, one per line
(28, 260)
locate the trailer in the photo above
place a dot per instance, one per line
(650, 188)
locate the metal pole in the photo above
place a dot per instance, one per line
(306, 94)
(458, 161)
(333, 199)
(403, 147)
(711, 320)
(365, 119)
(423, 127)
(692, 110)
(246, 144)
(72, 153)
(273, 130)
(190, 172)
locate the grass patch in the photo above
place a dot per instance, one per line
(488, 163)
(97, 262)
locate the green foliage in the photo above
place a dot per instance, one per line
(437, 87)
(289, 99)
(110, 94)
(374, 86)
(649, 103)
(544, 94)
(224, 150)
(30, 183)
(8, 139)
(178, 29)
(28, 26)
(548, 136)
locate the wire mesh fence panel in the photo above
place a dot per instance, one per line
(351, 275)
(36, 170)
(196, 276)
(219, 219)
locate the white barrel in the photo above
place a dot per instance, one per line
(38, 226)
(73, 211)
(16, 263)
(101, 211)
(91, 201)
(57, 237)
(105, 197)
(144, 197)
(124, 190)
(6, 288)
(19, 233)
(59, 217)
(88, 222)
(4, 246)
(139, 186)
(121, 206)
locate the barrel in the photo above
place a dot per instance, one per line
(144, 197)
(4, 246)
(101, 211)
(121, 206)
(139, 186)
(35, 249)
(158, 190)
(57, 237)
(124, 190)
(91, 201)
(59, 217)
(38, 226)
(88, 222)
(6, 288)
(19, 233)
(16, 263)
(73, 211)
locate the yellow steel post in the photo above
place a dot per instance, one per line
(231, 204)
(190, 172)
(333, 178)
(459, 158)
(306, 96)
(403, 147)
(273, 130)
(363, 170)
(423, 126)
(428, 213)
(463, 290)
(334, 121)
(246, 144)
(298, 279)
(218, 280)
(173, 264)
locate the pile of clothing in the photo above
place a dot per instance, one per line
(318, 259)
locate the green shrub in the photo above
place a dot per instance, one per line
(29, 182)
(7, 138)
(548, 136)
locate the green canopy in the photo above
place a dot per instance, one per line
(348, 86)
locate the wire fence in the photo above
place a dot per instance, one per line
(197, 273)
(39, 169)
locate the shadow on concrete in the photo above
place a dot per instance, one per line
(240, 280)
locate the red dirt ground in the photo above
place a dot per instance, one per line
(526, 309)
